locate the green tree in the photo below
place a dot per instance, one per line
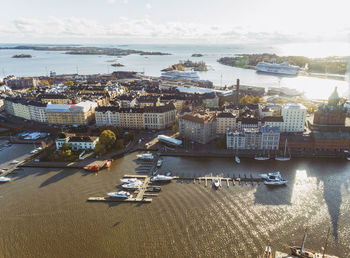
(107, 138)
(99, 148)
(119, 144)
(68, 83)
(131, 136)
(65, 146)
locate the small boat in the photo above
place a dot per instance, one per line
(14, 162)
(129, 180)
(159, 163)
(168, 174)
(267, 252)
(237, 159)
(92, 168)
(120, 194)
(261, 158)
(4, 179)
(154, 189)
(145, 156)
(348, 158)
(300, 251)
(216, 183)
(107, 164)
(161, 178)
(34, 151)
(268, 175)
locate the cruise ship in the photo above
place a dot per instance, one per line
(282, 68)
(180, 75)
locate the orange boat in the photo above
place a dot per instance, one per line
(107, 164)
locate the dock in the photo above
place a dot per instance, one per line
(111, 199)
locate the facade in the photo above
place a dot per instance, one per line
(148, 101)
(8, 105)
(20, 83)
(198, 127)
(160, 117)
(77, 142)
(294, 116)
(224, 121)
(273, 121)
(211, 100)
(37, 111)
(55, 99)
(79, 114)
(21, 109)
(270, 137)
(235, 140)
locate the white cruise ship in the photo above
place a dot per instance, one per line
(180, 75)
(282, 68)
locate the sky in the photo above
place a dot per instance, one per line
(180, 21)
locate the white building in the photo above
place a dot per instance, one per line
(294, 116)
(77, 142)
(37, 111)
(224, 121)
(107, 115)
(20, 108)
(235, 140)
(270, 138)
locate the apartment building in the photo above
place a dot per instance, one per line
(294, 116)
(76, 142)
(37, 111)
(224, 121)
(198, 127)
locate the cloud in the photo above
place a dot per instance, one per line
(145, 29)
(148, 6)
(111, 1)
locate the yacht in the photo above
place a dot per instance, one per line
(237, 159)
(282, 68)
(272, 174)
(159, 163)
(161, 178)
(284, 158)
(4, 179)
(216, 183)
(180, 75)
(145, 156)
(132, 186)
(129, 180)
(120, 194)
(275, 181)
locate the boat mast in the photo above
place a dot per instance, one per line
(285, 148)
(326, 243)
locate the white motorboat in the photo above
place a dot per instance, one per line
(237, 159)
(161, 178)
(120, 194)
(275, 181)
(145, 156)
(159, 163)
(14, 161)
(131, 186)
(348, 158)
(168, 173)
(216, 183)
(34, 151)
(129, 180)
(4, 179)
(272, 174)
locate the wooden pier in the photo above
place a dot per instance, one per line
(111, 199)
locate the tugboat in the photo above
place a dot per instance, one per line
(305, 253)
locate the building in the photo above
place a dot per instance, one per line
(56, 99)
(224, 121)
(79, 114)
(157, 117)
(270, 137)
(37, 111)
(211, 100)
(148, 101)
(20, 83)
(126, 101)
(332, 114)
(8, 105)
(198, 127)
(273, 121)
(235, 140)
(76, 142)
(252, 138)
(21, 109)
(294, 116)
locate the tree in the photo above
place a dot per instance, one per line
(131, 136)
(65, 146)
(119, 144)
(68, 83)
(280, 101)
(107, 138)
(99, 148)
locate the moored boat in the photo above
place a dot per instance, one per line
(92, 168)
(237, 159)
(261, 158)
(161, 178)
(120, 194)
(216, 183)
(284, 158)
(145, 156)
(107, 164)
(268, 175)
(159, 163)
(129, 180)
(132, 186)
(4, 179)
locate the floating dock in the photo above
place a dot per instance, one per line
(111, 199)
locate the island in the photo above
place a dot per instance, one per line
(117, 65)
(196, 66)
(326, 65)
(22, 56)
(197, 55)
(70, 50)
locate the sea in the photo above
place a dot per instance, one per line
(44, 212)
(43, 62)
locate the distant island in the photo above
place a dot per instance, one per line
(89, 50)
(22, 56)
(327, 65)
(196, 66)
(197, 55)
(117, 65)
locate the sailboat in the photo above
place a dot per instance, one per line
(305, 253)
(237, 159)
(284, 158)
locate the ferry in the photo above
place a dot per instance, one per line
(282, 68)
(180, 75)
(145, 156)
(120, 194)
(161, 178)
(4, 179)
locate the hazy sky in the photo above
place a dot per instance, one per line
(179, 21)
